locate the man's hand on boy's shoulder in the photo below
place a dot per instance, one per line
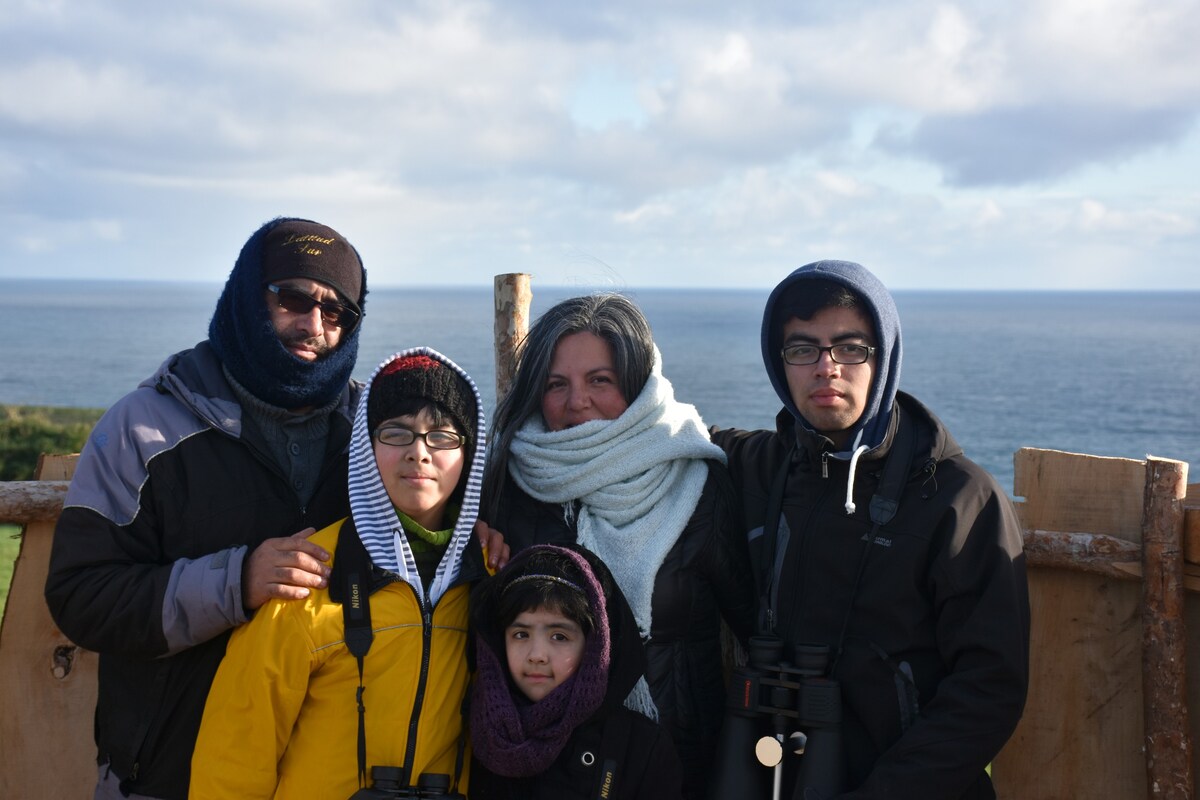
(287, 568)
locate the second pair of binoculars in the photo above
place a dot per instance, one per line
(781, 736)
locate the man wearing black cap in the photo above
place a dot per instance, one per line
(183, 513)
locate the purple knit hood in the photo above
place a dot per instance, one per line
(514, 737)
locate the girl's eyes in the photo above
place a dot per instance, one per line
(522, 635)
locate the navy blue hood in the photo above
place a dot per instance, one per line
(871, 428)
(244, 339)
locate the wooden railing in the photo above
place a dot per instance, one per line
(1111, 688)
(1111, 545)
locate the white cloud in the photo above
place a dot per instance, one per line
(691, 143)
(107, 229)
(34, 244)
(1094, 216)
(989, 213)
(645, 213)
(60, 95)
(1129, 52)
(840, 184)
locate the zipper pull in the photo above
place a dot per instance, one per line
(825, 464)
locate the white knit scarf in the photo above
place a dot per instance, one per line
(638, 478)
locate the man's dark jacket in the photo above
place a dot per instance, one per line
(173, 489)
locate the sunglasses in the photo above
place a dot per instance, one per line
(297, 302)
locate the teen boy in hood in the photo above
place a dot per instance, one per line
(926, 614)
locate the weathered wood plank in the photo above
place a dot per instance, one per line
(48, 694)
(1081, 733)
(1073, 492)
(1164, 647)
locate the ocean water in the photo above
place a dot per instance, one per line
(1112, 374)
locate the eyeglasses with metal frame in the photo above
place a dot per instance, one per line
(803, 355)
(436, 439)
(334, 314)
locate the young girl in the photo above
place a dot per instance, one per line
(557, 653)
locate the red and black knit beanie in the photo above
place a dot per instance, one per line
(298, 248)
(420, 377)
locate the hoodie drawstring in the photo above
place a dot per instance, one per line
(858, 451)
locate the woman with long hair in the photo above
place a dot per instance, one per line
(590, 446)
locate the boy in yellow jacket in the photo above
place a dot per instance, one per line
(283, 718)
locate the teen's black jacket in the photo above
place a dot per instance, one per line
(942, 598)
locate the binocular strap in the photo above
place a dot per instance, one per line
(614, 743)
(883, 507)
(352, 575)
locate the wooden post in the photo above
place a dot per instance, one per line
(513, 296)
(48, 695)
(1164, 636)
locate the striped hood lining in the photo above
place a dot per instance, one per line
(379, 527)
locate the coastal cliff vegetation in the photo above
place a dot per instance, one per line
(25, 433)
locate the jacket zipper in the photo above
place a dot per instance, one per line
(410, 750)
(799, 539)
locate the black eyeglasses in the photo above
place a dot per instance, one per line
(802, 355)
(400, 436)
(297, 302)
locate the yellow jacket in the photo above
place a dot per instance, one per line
(282, 721)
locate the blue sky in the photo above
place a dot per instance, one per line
(1029, 144)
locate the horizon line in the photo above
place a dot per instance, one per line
(627, 287)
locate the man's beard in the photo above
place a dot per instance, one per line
(317, 344)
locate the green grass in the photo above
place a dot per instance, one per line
(25, 433)
(9, 545)
(54, 415)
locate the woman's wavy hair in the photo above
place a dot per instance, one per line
(612, 317)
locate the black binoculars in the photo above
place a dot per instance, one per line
(776, 706)
(392, 782)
